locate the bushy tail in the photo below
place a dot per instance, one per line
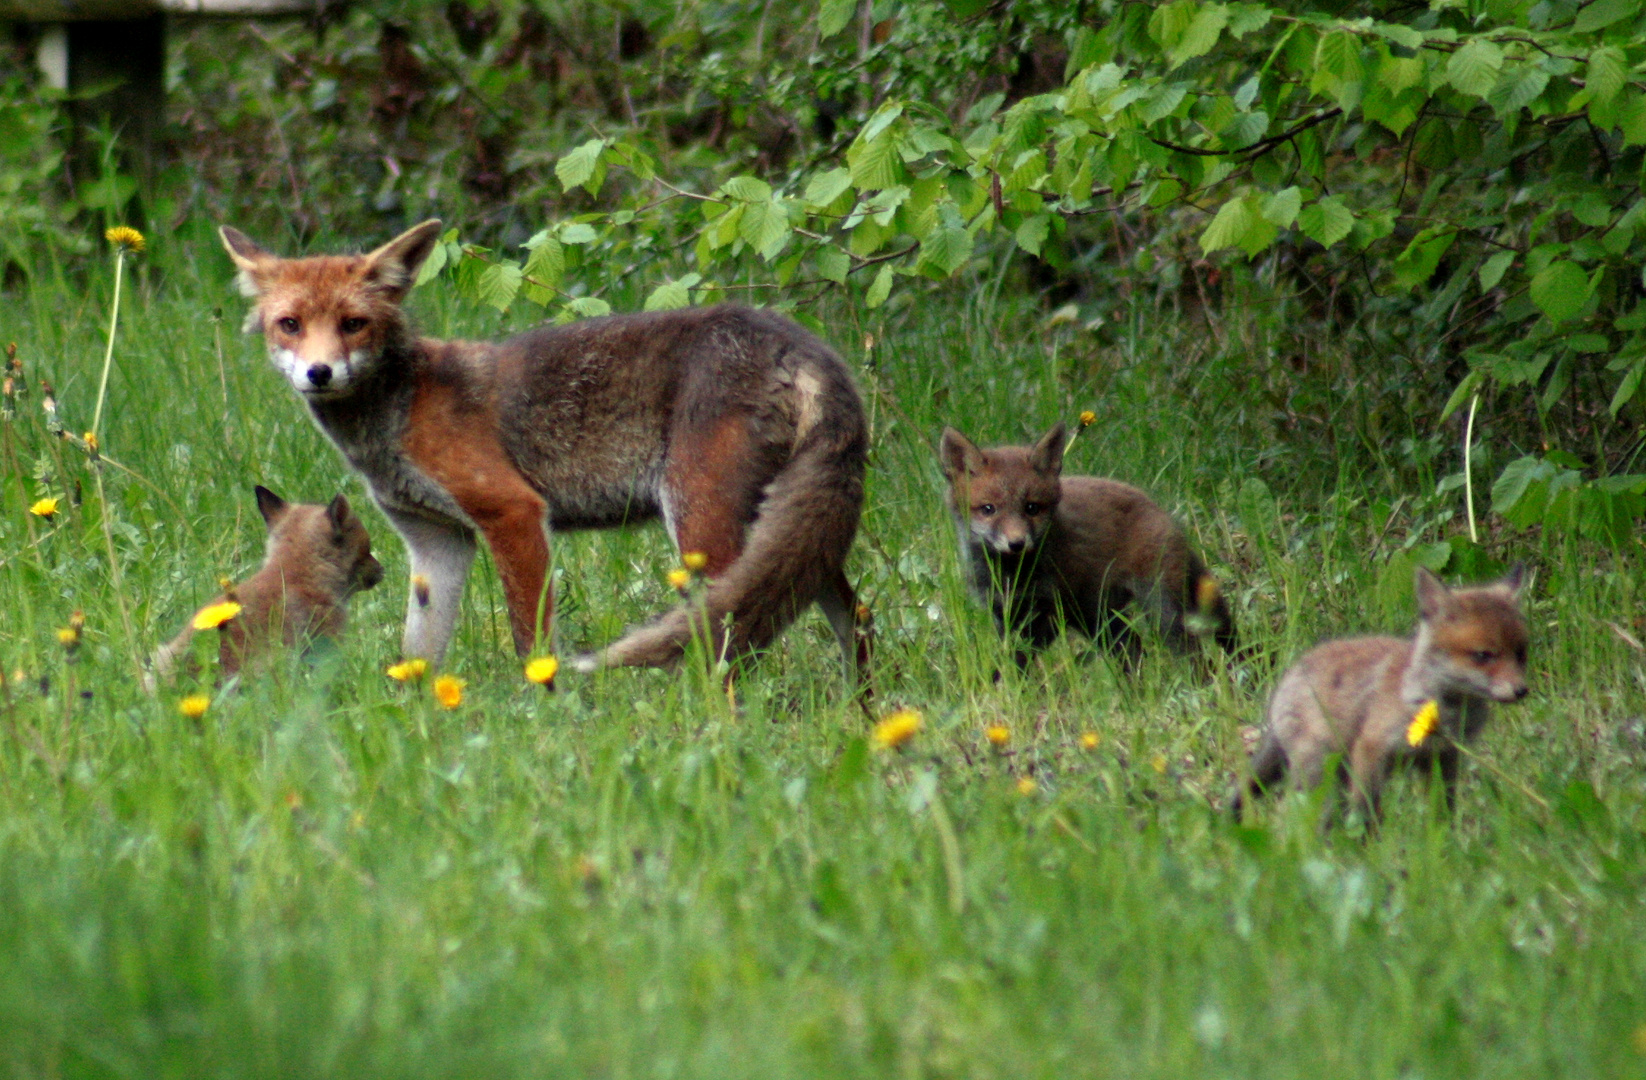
(796, 547)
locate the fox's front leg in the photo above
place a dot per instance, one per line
(440, 559)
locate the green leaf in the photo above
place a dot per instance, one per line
(880, 288)
(1473, 68)
(875, 164)
(765, 228)
(1326, 221)
(1560, 290)
(582, 166)
(1608, 70)
(1281, 208)
(1244, 18)
(498, 285)
(585, 307)
(826, 187)
(1517, 88)
(881, 119)
(833, 15)
(1602, 13)
(1493, 269)
(1416, 265)
(1465, 389)
(1524, 475)
(1228, 228)
(747, 189)
(432, 265)
(672, 294)
(833, 264)
(1031, 234)
(577, 232)
(545, 267)
(1201, 33)
(1630, 384)
(944, 252)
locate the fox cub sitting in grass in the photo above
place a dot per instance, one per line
(318, 557)
(1042, 549)
(1378, 700)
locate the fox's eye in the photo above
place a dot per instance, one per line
(353, 324)
(987, 509)
(1032, 509)
(1483, 656)
(290, 325)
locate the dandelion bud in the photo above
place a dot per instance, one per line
(1088, 418)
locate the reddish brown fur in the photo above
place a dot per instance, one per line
(318, 557)
(1043, 549)
(740, 429)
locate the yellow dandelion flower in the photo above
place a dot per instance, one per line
(680, 578)
(694, 560)
(45, 508)
(194, 706)
(1088, 418)
(896, 729)
(999, 734)
(212, 616)
(90, 439)
(68, 637)
(1205, 592)
(408, 670)
(448, 690)
(1089, 740)
(542, 670)
(126, 238)
(1159, 764)
(1026, 785)
(1423, 723)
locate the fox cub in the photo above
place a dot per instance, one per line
(1043, 549)
(738, 428)
(318, 557)
(1378, 700)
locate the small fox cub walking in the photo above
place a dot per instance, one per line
(318, 557)
(1378, 700)
(1042, 548)
(741, 430)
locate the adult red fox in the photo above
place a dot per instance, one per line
(1042, 549)
(1375, 701)
(742, 431)
(318, 557)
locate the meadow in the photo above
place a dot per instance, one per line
(330, 874)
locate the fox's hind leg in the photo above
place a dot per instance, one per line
(853, 629)
(1268, 767)
(711, 484)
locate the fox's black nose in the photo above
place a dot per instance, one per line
(1015, 546)
(320, 374)
(1520, 692)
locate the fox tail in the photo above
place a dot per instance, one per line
(795, 552)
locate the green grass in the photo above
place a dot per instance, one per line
(331, 876)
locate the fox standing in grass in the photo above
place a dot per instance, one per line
(741, 430)
(318, 557)
(1377, 700)
(1042, 549)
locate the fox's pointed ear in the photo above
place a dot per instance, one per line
(249, 259)
(337, 512)
(1432, 593)
(1513, 581)
(270, 505)
(1047, 455)
(958, 454)
(394, 266)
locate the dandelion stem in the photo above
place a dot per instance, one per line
(108, 354)
(1468, 477)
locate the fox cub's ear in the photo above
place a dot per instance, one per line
(248, 258)
(1513, 581)
(1432, 593)
(270, 505)
(394, 266)
(1047, 455)
(959, 456)
(337, 512)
